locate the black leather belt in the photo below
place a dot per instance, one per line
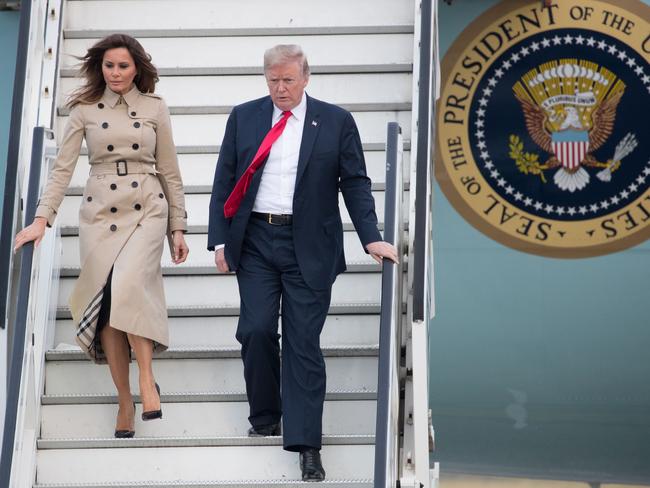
(273, 219)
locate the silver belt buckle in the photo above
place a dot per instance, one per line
(270, 219)
(126, 168)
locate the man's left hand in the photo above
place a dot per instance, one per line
(381, 249)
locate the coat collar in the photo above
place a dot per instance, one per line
(130, 98)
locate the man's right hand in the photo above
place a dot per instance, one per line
(220, 261)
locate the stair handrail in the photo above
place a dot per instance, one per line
(418, 436)
(24, 381)
(390, 322)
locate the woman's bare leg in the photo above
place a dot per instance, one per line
(143, 349)
(116, 348)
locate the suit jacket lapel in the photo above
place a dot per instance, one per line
(309, 134)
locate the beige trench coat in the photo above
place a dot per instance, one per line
(133, 197)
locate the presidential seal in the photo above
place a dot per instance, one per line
(542, 132)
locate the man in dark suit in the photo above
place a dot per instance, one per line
(275, 221)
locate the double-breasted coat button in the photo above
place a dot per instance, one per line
(100, 105)
(110, 147)
(136, 125)
(161, 195)
(137, 206)
(113, 209)
(135, 146)
(113, 186)
(105, 125)
(134, 184)
(90, 199)
(133, 114)
(113, 227)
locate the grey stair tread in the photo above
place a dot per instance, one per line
(257, 70)
(285, 483)
(214, 149)
(245, 31)
(226, 109)
(182, 397)
(203, 189)
(215, 353)
(111, 442)
(352, 267)
(210, 311)
(73, 230)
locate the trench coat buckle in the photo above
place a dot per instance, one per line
(119, 169)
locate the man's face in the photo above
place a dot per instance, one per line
(286, 84)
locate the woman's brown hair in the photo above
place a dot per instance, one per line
(91, 68)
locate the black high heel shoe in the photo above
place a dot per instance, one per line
(125, 434)
(153, 414)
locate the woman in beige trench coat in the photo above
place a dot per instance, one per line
(133, 197)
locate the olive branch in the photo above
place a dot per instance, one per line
(527, 163)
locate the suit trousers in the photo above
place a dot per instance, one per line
(270, 280)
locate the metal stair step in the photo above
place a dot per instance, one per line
(387, 88)
(339, 330)
(197, 375)
(214, 149)
(221, 290)
(367, 266)
(245, 31)
(287, 483)
(193, 464)
(74, 353)
(189, 441)
(365, 308)
(197, 207)
(217, 419)
(199, 397)
(201, 261)
(206, 129)
(197, 170)
(334, 69)
(330, 49)
(73, 230)
(252, 14)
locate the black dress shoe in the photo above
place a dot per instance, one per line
(125, 434)
(153, 414)
(310, 465)
(265, 430)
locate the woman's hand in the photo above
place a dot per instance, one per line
(180, 247)
(33, 232)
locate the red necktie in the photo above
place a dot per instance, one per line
(237, 195)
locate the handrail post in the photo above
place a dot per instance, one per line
(389, 381)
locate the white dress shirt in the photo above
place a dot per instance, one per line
(275, 194)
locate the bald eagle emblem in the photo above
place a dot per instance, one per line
(569, 107)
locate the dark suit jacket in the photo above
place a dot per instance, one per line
(331, 158)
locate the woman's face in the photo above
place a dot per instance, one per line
(118, 69)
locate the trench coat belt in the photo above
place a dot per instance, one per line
(122, 168)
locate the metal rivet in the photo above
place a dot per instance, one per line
(90, 199)
(132, 114)
(134, 184)
(136, 125)
(113, 209)
(113, 227)
(110, 147)
(161, 195)
(105, 125)
(135, 147)
(100, 105)
(137, 206)
(113, 186)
